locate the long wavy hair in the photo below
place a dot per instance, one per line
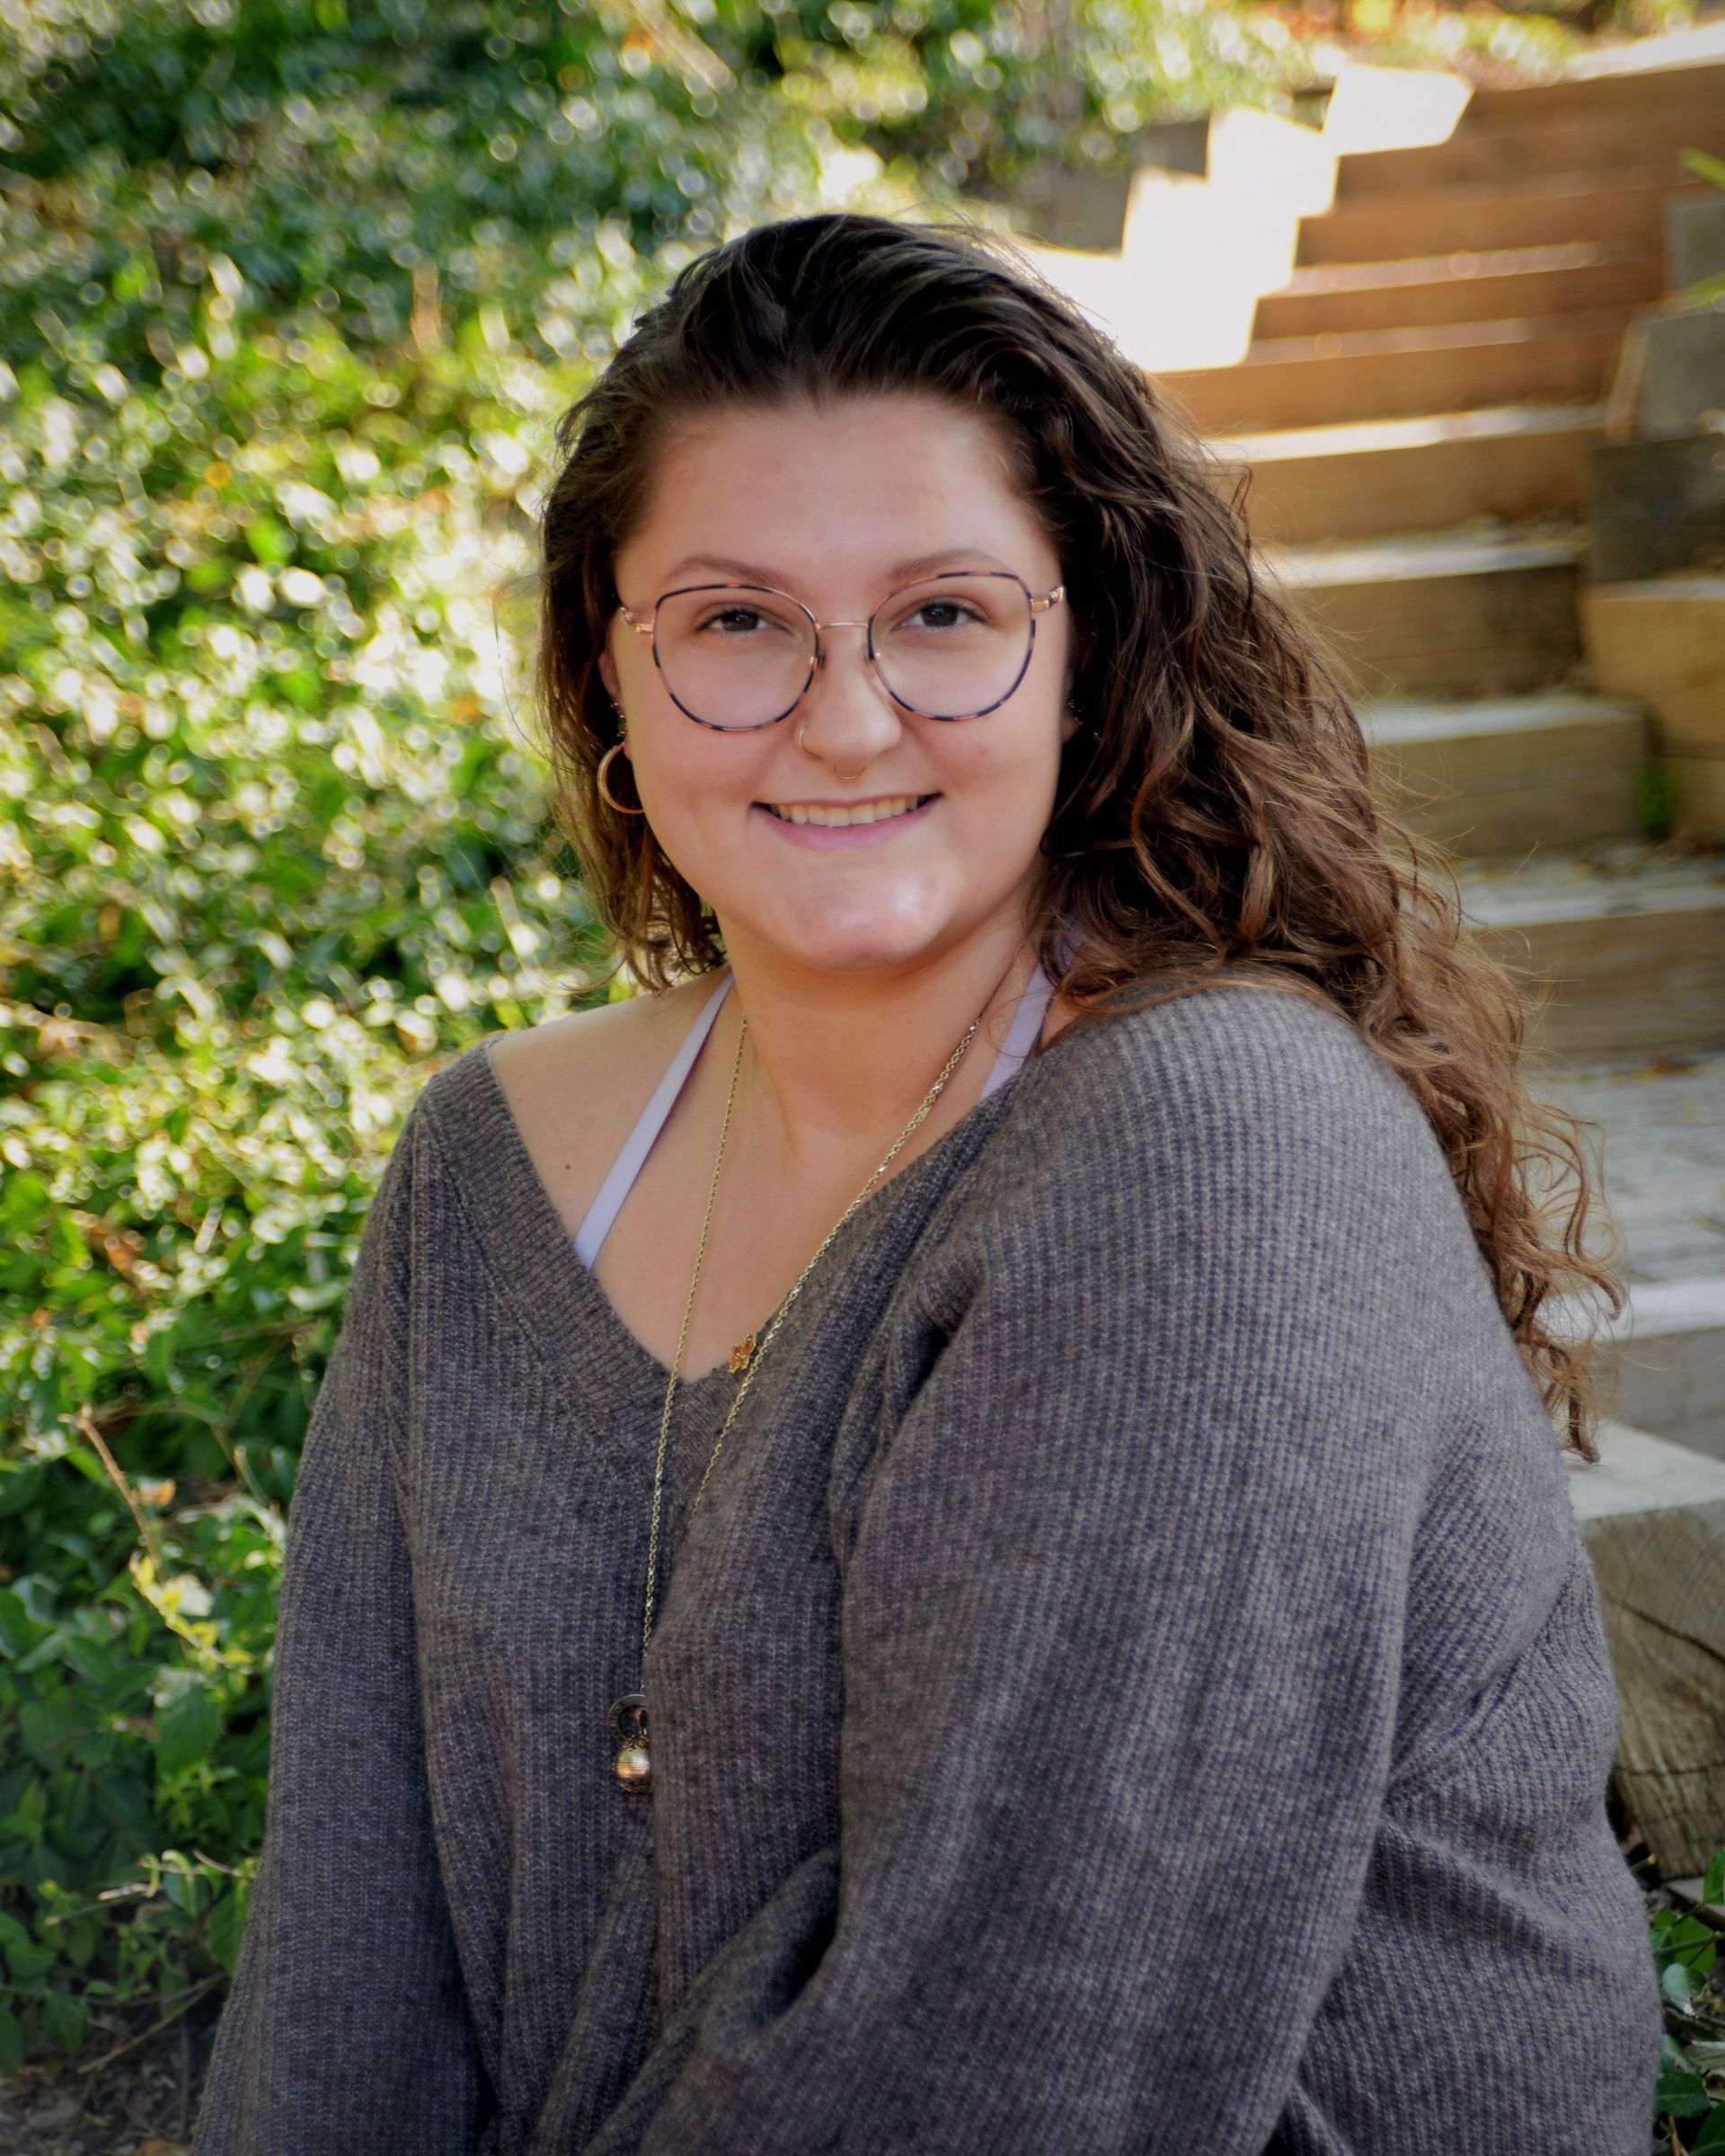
(1215, 820)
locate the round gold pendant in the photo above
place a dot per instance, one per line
(629, 1730)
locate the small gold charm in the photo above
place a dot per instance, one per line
(629, 1730)
(741, 1352)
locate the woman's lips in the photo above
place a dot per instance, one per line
(824, 837)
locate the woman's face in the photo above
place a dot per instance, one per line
(839, 506)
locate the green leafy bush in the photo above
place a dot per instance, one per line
(1686, 1951)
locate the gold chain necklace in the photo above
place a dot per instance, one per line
(628, 1716)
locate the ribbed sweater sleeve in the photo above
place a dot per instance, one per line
(347, 2026)
(1122, 1635)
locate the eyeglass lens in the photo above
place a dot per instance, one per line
(948, 648)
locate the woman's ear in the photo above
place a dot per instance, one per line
(608, 674)
(1072, 716)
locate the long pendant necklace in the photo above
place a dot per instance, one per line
(628, 1715)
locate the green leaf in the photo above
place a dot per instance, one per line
(1711, 2140)
(29, 1814)
(20, 1483)
(12, 2042)
(79, 1940)
(1680, 2096)
(19, 1631)
(186, 1729)
(66, 2023)
(1704, 165)
(224, 1926)
(29, 1960)
(96, 1663)
(1712, 1887)
(1677, 1984)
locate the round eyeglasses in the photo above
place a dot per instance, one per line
(735, 657)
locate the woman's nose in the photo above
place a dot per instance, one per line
(847, 718)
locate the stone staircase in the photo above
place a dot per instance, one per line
(1416, 411)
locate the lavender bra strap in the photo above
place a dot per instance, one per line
(1023, 1034)
(596, 1225)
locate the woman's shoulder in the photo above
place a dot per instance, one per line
(588, 1056)
(568, 1089)
(1235, 1063)
(1240, 1144)
(1237, 1113)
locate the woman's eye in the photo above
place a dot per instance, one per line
(734, 619)
(941, 614)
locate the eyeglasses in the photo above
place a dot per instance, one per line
(736, 657)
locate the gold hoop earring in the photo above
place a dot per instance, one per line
(602, 776)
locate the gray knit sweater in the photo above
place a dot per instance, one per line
(1134, 1682)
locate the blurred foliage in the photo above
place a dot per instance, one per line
(291, 293)
(1690, 2098)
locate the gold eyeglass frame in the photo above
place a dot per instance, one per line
(1038, 604)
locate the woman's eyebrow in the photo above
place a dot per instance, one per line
(756, 572)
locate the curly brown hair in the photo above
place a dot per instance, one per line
(1214, 821)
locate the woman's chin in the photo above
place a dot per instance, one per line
(848, 945)
(853, 954)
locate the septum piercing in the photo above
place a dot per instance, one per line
(807, 751)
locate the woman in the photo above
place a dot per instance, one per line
(946, 1533)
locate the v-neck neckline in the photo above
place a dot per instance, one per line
(577, 1333)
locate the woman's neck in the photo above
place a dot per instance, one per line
(835, 1058)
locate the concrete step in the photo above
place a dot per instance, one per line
(1691, 1894)
(1655, 1142)
(1387, 374)
(1465, 616)
(1626, 206)
(1658, 1149)
(1663, 643)
(1503, 284)
(1663, 1358)
(1679, 79)
(1491, 152)
(1375, 478)
(1619, 949)
(1652, 1516)
(1499, 776)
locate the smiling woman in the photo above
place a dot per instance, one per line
(875, 654)
(878, 1501)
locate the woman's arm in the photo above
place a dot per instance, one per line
(347, 2026)
(1123, 1627)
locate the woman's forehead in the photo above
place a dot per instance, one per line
(873, 485)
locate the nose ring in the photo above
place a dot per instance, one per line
(807, 751)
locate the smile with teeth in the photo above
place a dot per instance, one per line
(862, 812)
